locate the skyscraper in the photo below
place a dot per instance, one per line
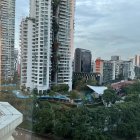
(82, 60)
(7, 35)
(50, 44)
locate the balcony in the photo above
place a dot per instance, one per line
(10, 118)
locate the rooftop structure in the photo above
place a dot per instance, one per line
(121, 84)
(10, 118)
(98, 89)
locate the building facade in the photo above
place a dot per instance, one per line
(115, 58)
(128, 70)
(99, 67)
(108, 71)
(50, 44)
(137, 72)
(83, 60)
(26, 48)
(7, 36)
(137, 60)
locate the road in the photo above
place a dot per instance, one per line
(27, 135)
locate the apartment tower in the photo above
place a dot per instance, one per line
(49, 45)
(7, 36)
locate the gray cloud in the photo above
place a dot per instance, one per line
(108, 27)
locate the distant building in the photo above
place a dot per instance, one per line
(92, 67)
(83, 60)
(87, 76)
(128, 70)
(99, 66)
(7, 39)
(108, 71)
(118, 69)
(115, 58)
(121, 84)
(137, 72)
(137, 60)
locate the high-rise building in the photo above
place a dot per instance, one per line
(99, 67)
(118, 69)
(137, 60)
(115, 58)
(128, 70)
(48, 45)
(137, 72)
(106, 69)
(83, 60)
(7, 36)
(26, 48)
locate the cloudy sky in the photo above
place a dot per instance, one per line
(106, 27)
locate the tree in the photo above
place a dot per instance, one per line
(60, 88)
(74, 94)
(110, 96)
(35, 91)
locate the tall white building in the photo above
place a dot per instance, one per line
(7, 35)
(26, 47)
(128, 70)
(137, 60)
(47, 44)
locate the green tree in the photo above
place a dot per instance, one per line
(74, 94)
(63, 88)
(110, 96)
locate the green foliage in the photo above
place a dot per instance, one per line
(131, 89)
(80, 84)
(83, 123)
(35, 91)
(110, 96)
(51, 93)
(92, 82)
(60, 88)
(74, 94)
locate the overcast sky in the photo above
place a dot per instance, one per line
(106, 27)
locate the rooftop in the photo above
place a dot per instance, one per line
(98, 89)
(10, 118)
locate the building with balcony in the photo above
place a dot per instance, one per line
(128, 70)
(47, 44)
(106, 69)
(7, 36)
